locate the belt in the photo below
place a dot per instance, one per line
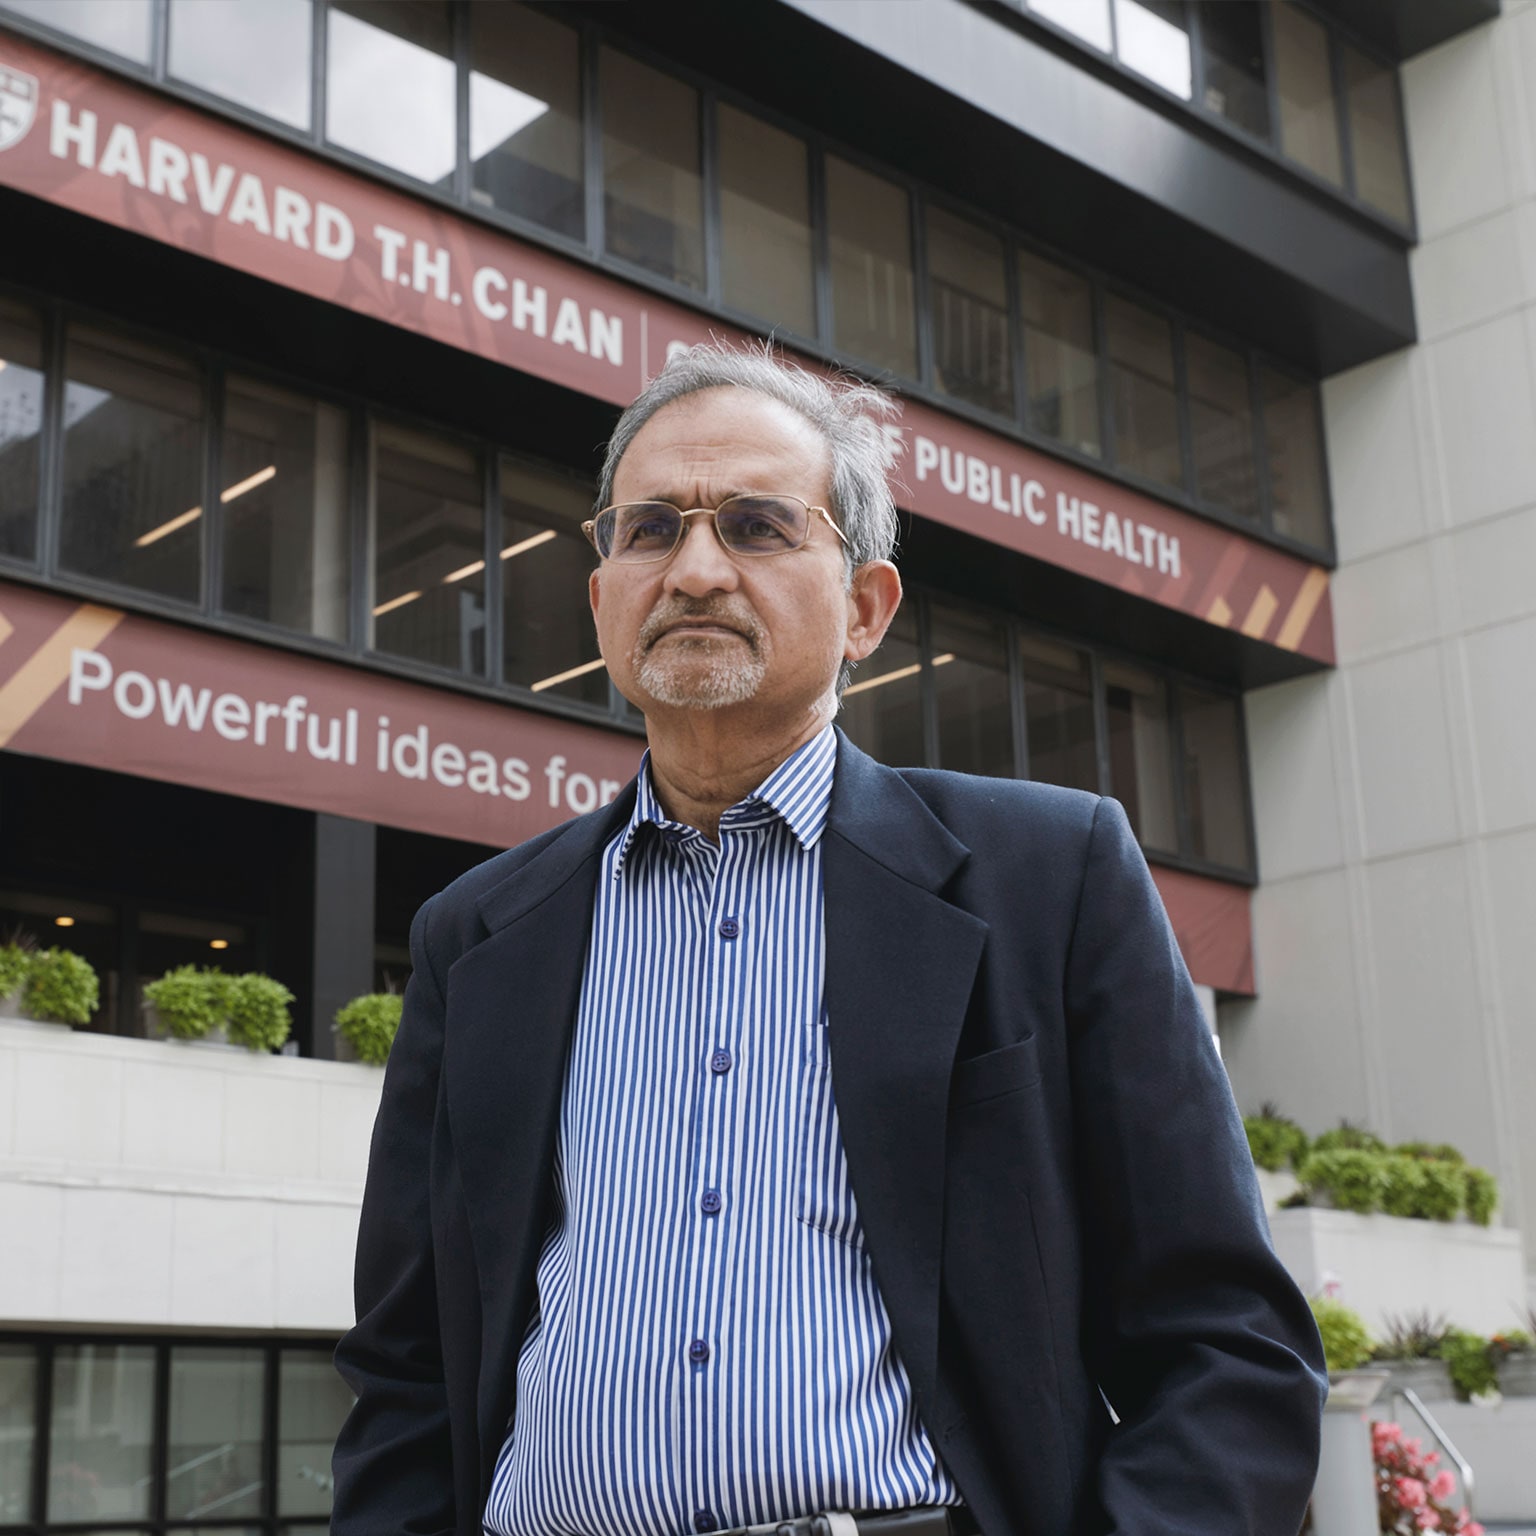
(932, 1520)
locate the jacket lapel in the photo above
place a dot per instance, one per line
(512, 1001)
(901, 963)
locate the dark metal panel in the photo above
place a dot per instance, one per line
(343, 921)
(1403, 28)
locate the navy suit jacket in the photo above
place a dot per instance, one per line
(1055, 1188)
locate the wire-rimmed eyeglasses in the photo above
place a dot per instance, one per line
(753, 524)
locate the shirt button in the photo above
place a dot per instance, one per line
(710, 1202)
(720, 1062)
(698, 1352)
(703, 1521)
(729, 927)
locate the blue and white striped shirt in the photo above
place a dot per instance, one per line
(709, 1348)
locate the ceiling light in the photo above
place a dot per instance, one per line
(218, 943)
(396, 602)
(526, 544)
(463, 571)
(250, 483)
(565, 677)
(63, 922)
(897, 675)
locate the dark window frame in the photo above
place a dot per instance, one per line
(592, 250)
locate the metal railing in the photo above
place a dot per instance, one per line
(1443, 1440)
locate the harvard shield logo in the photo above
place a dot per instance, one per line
(18, 105)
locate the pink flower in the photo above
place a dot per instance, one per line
(1427, 1520)
(1413, 1447)
(1443, 1486)
(1385, 1433)
(1471, 1528)
(1410, 1492)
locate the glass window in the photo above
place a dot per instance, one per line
(1060, 364)
(21, 428)
(549, 641)
(1293, 449)
(883, 706)
(312, 1402)
(284, 472)
(968, 298)
(1232, 57)
(1087, 19)
(214, 1439)
(102, 1432)
(765, 222)
(1213, 777)
(133, 466)
(18, 1431)
(1221, 426)
(252, 52)
(870, 230)
(426, 517)
(119, 26)
(1152, 37)
(381, 54)
(1140, 752)
(1058, 714)
(1145, 401)
(1376, 134)
(525, 132)
(653, 190)
(1309, 124)
(970, 683)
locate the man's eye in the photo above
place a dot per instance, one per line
(649, 530)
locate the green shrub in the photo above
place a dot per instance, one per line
(1445, 1190)
(1346, 1343)
(1404, 1194)
(191, 1002)
(1412, 1336)
(1439, 1151)
(258, 1011)
(61, 987)
(1482, 1195)
(1274, 1140)
(1348, 1138)
(368, 1024)
(1516, 1342)
(1471, 1361)
(15, 965)
(1355, 1180)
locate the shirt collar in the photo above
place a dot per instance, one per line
(798, 792)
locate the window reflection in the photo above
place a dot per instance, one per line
(1061, 366)
(284, 468)
(869, 226)
(119, 26)
(313, 1400)
(1293, 447)
(1221, 426)
(653, 188)
(252, 52)
(426, 525)
(1152, 37)
(380, 56)
(1376, 134)
(18, 1432)
(214, 1438)
(1309, 124)
(1232, 54)
(21, 422)
(525, 131)
(883, 706)
(1146, 405)
(1213, 776)
(968, 299)
(1058, 714)
(102, 1431)
(1141, 753)
(969, 657)
(550, 643)
(765, 222)
(1087, 19)
(133, 466)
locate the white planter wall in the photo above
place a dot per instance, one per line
(1387, 1265)
(152, 1183)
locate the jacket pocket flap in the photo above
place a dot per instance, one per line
(995, 1073)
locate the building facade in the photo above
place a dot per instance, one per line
(313, 316)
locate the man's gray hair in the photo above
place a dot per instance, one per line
(847, 414)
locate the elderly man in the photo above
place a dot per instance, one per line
(796, 1136)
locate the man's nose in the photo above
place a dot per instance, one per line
(700, 564)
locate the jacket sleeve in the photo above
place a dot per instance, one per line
(1198, 1337)
(392, 1464)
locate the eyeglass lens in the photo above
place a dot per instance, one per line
(747, 525)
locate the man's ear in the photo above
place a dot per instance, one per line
(594, 589)
(873, 598)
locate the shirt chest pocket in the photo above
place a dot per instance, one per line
(823, 1191)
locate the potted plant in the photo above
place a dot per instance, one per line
(188, 1003)
(61, 988)
(1412, 1349)
(1514, 1359)
(15, 966)
(367, 1026)
(1346, 1340)
(1412, 1489)
(1469, 1358)
(258, 1011)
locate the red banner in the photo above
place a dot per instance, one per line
(121, 152)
